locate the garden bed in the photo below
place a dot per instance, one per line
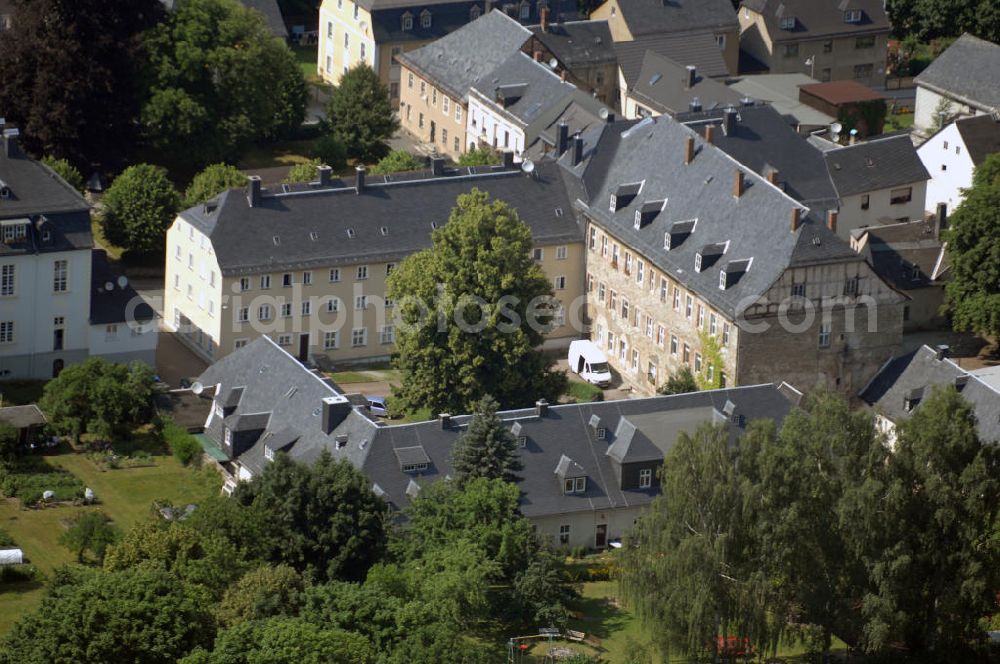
(29, 477)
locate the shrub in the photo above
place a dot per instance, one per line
(212, 181)
(479, 157)
(331, 152)
(185, 448)
(397, 161)
(17, 573)
(303, 172)
(66, 171)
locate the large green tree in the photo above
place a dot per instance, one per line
(930, 19)
(70, 76)
(327, 521)
(98, 397)
(397, 161)
(473, 310)
(929, 534)
(141, 615)
(265, 592)
(212, 181)
(687, 568)
(487, 448)
(284, 640)
(138, 208)
(973, 293)
(90, 531)
(360, 114)
(218, 80)
(66, 171)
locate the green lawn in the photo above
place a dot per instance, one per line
(306, 55)
(278, 153)
(114, 252)
(365, 376)
(582, 392)
(125, 495)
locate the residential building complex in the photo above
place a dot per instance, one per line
(829, 40)
(589, 470)
(307, 264)
(953, 153)
(59, 301)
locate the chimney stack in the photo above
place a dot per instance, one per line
(941, 220)
(941, 351)
(689, 150)
(335, 410)
(739, 184)
(562, 75)
(537, 55)
(729, 121)
(323, 172)
(545, 19)
(796, 218)
(577, 149)
(541, 408)
(692, 76)
(709, 133)
(610, 118)
(772, 176)
(831, 220)
(444, 419)
(359, 179)
(10, 137)
(508, 159)
(253, 190)
(694, 105)
(562, 138)
(437, 166)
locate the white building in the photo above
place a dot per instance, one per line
(951, 155)
(55, 304)
(963, 81)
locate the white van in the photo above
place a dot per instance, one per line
(587, 360)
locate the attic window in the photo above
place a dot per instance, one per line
(46, 236)
(15, 230)
(679, 231)
(522, 441)
(434, 225)
(291, 392)
(655, 78)
(575, 485)
(852, 16)
(710, 253)
(407, 22)
(268, 453)
(276, 240)
(384, 230)
(414, 467)
(732, 271)
(788, 23)
(350, 233)
(647, 213)
(313, 235)
(624, 195)
(412, 459)
(425, 19)
(559, 212)
(602, 433)
(475, 12)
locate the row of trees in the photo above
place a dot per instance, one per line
(931, 19)
(819, 530)
(304, 566)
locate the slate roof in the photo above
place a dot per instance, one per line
(782, 92)
(663, 85)
(117, 304)
(457, 60)
(916, 373)
(272, 15)
(981, 135)
(763, 141)
(578, 43)
(698, 49)
(539, 89)
(311, 224)
(906, 255)
(446, 16)
(37, 194)
(21, 417)
(646, 17)
(879, 163)
(564, 440)
(815, 19)
(757, 225)
(968, 70)
(283, 400)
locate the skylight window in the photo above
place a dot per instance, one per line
(350, 233)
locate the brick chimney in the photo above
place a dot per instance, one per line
(796, 218)
(709, 133)
(772, 176)
(739, 184)
(359, 179)
(831, 220)
(562, 75)
(537, 55)
(729, 121)
(545, 19)
(689, 150)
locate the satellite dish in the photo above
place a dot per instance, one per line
(603, 114)
(108, 286)
(836, 127)
(122, 282)
(854, 132)
(197, 388)
(553, 63)
(528, 166)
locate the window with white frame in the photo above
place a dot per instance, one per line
(240, 343)
(538, 253)
(361, 302)
(8, 279)
(330, 340)
(824, 335)
(265, 281)
(264, 312)
(387, 335)
(307, 308)
(110, 332)
(307, 278)
(674, 343)
(268, 453)
(284, 340)
(640, 272)
(362, 272)
(60, 276)
(286, 310)
(645, 478)
(677, 298)
(6, 332)
(689, 307)
(243, 314)
(359, 336)
(244, 284)
(661, 336)
(561, 252)
(559, 283)
(333, 305)
(564, 534)
(334, 275)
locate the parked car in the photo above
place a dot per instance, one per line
(378, 406)
(587, 361)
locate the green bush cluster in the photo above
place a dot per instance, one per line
(185, 448)
(30, 477)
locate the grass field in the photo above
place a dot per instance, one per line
(583, 392)
(125, 495)
(278, 153)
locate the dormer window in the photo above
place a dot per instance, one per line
(15, 230)
(732, 271)
(412, 459)
(525, 11)
(575, 485)
(624, 195)
(602, 433)
(425, 19)
(852, 16)
(710, 253)
(679, 231)
(268, 453)
(647, 213)
(475, 13)
(788, 23)
(522, 441)
(407, 22)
